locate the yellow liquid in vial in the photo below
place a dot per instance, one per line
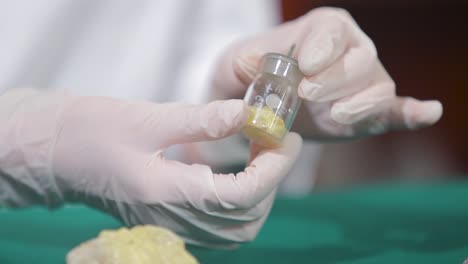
(264, 127)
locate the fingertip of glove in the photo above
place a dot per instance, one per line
(292, 144)
(420, 114)
(309, 90)
(313, 59)
(293, 137)
(234, 112)
(322, 46)
(239, 110)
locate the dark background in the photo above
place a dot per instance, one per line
(424, 46)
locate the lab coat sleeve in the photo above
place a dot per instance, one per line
(25, 147)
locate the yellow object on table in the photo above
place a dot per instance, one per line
(264, 127)
(141, 244)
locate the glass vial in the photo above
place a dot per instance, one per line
(272, 99)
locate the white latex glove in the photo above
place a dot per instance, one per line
(347, 92)
(110, 154)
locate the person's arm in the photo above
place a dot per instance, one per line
(109, 154)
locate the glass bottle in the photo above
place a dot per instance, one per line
(272, 99)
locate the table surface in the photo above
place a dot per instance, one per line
(415, 223)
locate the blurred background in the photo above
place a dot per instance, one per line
(424, 46)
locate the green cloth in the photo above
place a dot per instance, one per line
(372, 224)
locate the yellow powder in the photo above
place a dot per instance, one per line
(141, 244)
(264, 127)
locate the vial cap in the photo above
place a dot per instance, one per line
(281, 65)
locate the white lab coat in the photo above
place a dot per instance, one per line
(144, 49)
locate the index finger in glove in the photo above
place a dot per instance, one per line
(334, 56)
(179, 123)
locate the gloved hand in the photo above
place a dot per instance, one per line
(347, 92)
(110, 154)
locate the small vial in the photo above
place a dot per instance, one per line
(272, 99)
